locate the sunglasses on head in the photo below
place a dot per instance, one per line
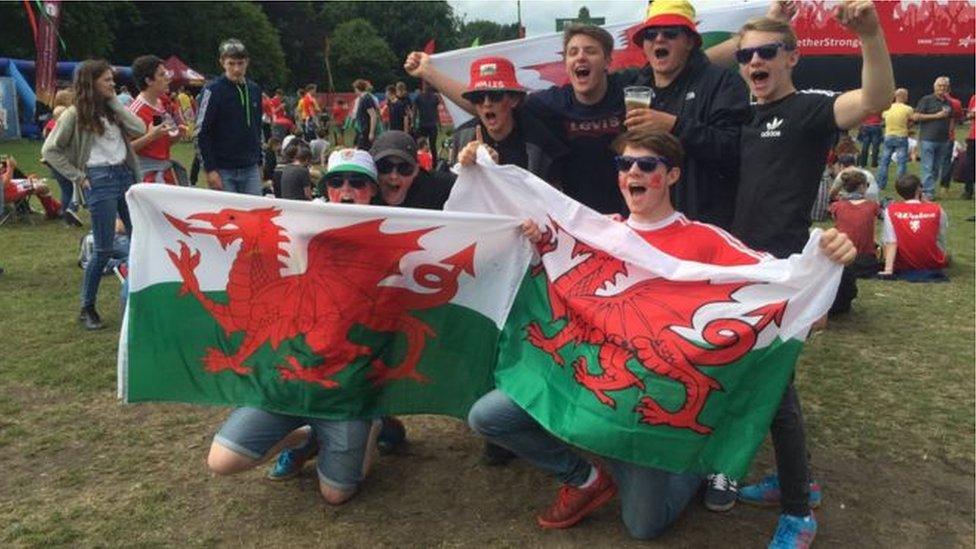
(644, 163)
(478, 97)
(356, 181)
(766, 51)
(669, 33)
(384, 167)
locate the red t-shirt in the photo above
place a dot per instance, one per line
(689, 240)
(972, 124)
(158, 148)
(956, 117)
(426, 160)
(857, 222)
(916, 227)
(306, 106)
(873, 119)
(339, 114)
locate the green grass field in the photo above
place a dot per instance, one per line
(888, 395)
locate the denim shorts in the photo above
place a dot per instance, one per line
(252, 432)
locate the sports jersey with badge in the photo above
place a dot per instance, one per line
(784, 152)
(589, 174)
(158, 148)
(689, 240)
(918, 228)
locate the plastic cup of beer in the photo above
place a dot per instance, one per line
(638, 97)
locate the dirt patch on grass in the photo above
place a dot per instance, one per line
(95, 472)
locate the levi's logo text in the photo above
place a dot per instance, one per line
(773, 128)
(593, 128)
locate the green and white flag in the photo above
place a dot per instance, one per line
(622, 349)
(325, 310)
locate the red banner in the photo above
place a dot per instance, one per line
(911, 27)
(46, 42)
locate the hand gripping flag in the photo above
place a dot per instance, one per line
(324, 310)
(624, 350)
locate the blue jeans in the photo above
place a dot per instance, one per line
(241, 180)
(946, 166)
(67, 192)
(252, 432)
(932, 156)
(651, 499)
(892, 144)
(870, 138)
(106, 202)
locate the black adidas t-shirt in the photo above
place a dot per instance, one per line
(784, 152)
(588, 172)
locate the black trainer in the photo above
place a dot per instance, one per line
(89, 317)
(721, 493)
(72, 219)
(496, 456)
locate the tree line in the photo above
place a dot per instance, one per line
(288, 41)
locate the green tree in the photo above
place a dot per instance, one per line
(358, 51)
(89, 29)
(486, 32)
(302, 39)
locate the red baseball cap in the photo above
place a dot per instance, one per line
(493, 74)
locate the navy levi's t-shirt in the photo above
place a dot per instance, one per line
(588, 172)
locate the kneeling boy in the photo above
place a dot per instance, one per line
(651, 499)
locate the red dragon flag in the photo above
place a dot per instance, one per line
(323, 310)
(636, 354)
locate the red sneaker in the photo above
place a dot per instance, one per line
(574, 504)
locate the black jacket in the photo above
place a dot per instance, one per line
(711, 104)
(541, 146)
(226, 138)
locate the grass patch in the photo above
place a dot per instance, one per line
(887, 391)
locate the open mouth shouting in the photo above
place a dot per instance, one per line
(582, 73)
(661, 52)
(636, 189)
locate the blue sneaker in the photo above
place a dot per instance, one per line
(794, 532)
(291, 460)
(766, 493)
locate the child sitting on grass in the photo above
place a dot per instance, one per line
(854, 215)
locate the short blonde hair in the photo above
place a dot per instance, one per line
(765, 24)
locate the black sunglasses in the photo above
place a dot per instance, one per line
(356, 181)
(669, 33)
(644, 163)
(384, 167)
(766, 51)
(478, 97)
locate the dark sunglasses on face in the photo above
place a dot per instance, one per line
(385, 166)
(669, 33)
(356, 181)
(766, 51)
(645, 164)
(478, 97)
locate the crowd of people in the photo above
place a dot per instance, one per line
(698, 154)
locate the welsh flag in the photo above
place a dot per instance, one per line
(538, 59)
(324, 310)
(621, 349)
(342, 311)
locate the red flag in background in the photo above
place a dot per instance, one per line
(46, 41)
(429, 48)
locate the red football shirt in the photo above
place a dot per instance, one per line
(689, 240)
(857, 221)
(917, 227)
(158, 148)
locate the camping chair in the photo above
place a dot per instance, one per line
(19, 210)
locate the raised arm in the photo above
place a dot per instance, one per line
(418, 65)
(877, 77)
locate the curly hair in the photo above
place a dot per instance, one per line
(91, 106)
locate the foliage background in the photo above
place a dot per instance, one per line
(287, 40)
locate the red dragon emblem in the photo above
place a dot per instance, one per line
(340, 289)
(637, 323)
